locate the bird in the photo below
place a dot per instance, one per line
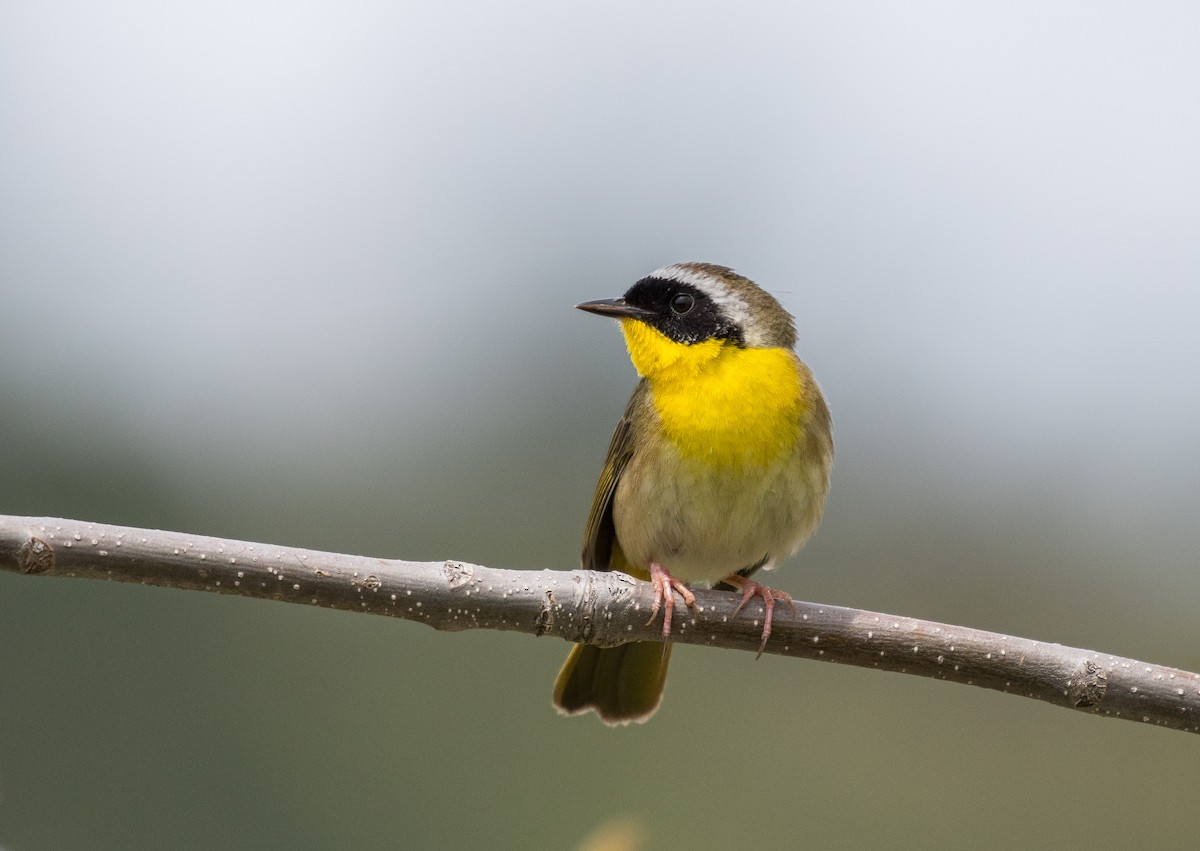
(719, 467)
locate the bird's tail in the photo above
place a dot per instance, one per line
(622, 684)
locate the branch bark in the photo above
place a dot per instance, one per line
(600, 608)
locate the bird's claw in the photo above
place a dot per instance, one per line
(770, 596)
(665, 586)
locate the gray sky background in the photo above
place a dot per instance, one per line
(300, 269)
(989, 209)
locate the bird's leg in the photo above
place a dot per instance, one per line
(664, 587)
(750, 589)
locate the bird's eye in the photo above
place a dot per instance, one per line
(683, 303)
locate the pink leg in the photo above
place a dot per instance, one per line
(664, 587)
(750, 589)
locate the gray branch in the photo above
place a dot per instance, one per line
(600, 608)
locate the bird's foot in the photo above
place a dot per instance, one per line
(751, 589)
(665, 586)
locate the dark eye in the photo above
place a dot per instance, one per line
(682, 303)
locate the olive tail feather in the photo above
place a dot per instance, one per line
(621, 684)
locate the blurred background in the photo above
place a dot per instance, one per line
(302, 273)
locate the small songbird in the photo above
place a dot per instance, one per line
(719, 466)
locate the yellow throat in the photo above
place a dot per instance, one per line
(719, 403)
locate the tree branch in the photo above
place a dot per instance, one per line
(600, 608)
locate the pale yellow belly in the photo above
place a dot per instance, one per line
(704, 524)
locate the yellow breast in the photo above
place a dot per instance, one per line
(719, 403)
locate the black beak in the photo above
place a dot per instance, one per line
(615, 308)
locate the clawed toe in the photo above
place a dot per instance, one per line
(665, 586)
(770, 596)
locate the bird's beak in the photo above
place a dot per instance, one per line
(615, 308)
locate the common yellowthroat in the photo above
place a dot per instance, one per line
(718, 467)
